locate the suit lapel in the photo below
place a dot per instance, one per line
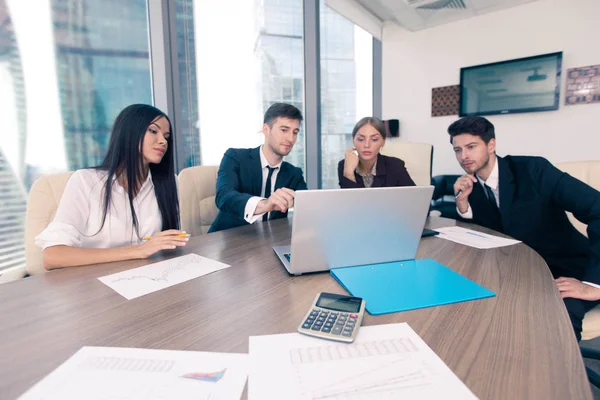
(255, 171)
(280, 181)
(506, 185)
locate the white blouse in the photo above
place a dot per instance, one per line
(79, 214)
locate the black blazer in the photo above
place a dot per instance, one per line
(240, 178)
(533, 198)
(390, 171)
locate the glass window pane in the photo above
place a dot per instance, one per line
(66, 70)
(346, 87)
(235, 59)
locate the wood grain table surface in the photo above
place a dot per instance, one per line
(517, 345)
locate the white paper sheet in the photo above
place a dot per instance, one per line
(384, 362)
(150, 278)
(103, 373)
(473, 238)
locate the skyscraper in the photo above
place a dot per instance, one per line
(102, 65)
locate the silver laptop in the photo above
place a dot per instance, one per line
(348, 227)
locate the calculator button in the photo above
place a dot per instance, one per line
(336, 330)
(310, 320)
(316, 327)
(306, 325)
(328, 324)
(343, 314)
(326, 330)
(324, 313)
(316, 310)
(348, 334)
(353, 316)
(334, 313)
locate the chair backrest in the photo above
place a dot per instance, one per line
(44, 196)
(587, 172)
(417, 157)
(197, 190)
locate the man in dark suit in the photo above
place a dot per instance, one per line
(256, 184)
(526, 198)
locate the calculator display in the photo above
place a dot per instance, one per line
(341, 303)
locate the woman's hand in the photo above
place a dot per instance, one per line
(165, 240)
(350, 164)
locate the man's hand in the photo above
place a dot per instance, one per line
(464, 185)
(571, 287)
(281, 200)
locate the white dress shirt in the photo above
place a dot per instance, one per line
(493, 182)
(252, 202)
(79, 214)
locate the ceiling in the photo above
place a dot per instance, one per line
(415, 15)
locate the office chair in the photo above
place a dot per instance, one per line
(587, 172)
(197, 190)
(44, 196)
(418, 158)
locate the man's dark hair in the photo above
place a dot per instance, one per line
(478, 126)
(284, 110)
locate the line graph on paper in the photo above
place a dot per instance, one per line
(384, 369)
(176, 265)
(150, 278)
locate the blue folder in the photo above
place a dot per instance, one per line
(407, 285)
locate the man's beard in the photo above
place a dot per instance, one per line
(485, 164)
(274, 150)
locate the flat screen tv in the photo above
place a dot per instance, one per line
(515, 86)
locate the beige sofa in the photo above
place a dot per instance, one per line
(44, 196)
(588, 172)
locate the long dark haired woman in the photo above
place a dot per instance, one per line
(107, 211)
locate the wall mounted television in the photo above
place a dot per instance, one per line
(514, 86)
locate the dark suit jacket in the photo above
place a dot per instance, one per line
(533, 198)
(390, 171)
(240, 178)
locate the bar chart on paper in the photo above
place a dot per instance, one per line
(97, 373)
(385, 362)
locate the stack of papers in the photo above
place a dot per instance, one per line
(473, 238)
(102, 373)
(384, 362)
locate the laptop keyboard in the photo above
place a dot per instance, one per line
(287, 256)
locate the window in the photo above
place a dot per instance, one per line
(235, 59)
(67, 67)
(346, 87)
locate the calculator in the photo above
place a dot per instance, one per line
(334, 316)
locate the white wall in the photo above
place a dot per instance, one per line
(415, 62)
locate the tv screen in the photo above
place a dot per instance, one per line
(521, 85)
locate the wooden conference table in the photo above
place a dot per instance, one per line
(517, 345)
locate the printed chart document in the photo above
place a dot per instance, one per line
(473, 238)
(384, 362)
(150, 278)
(102, 373)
